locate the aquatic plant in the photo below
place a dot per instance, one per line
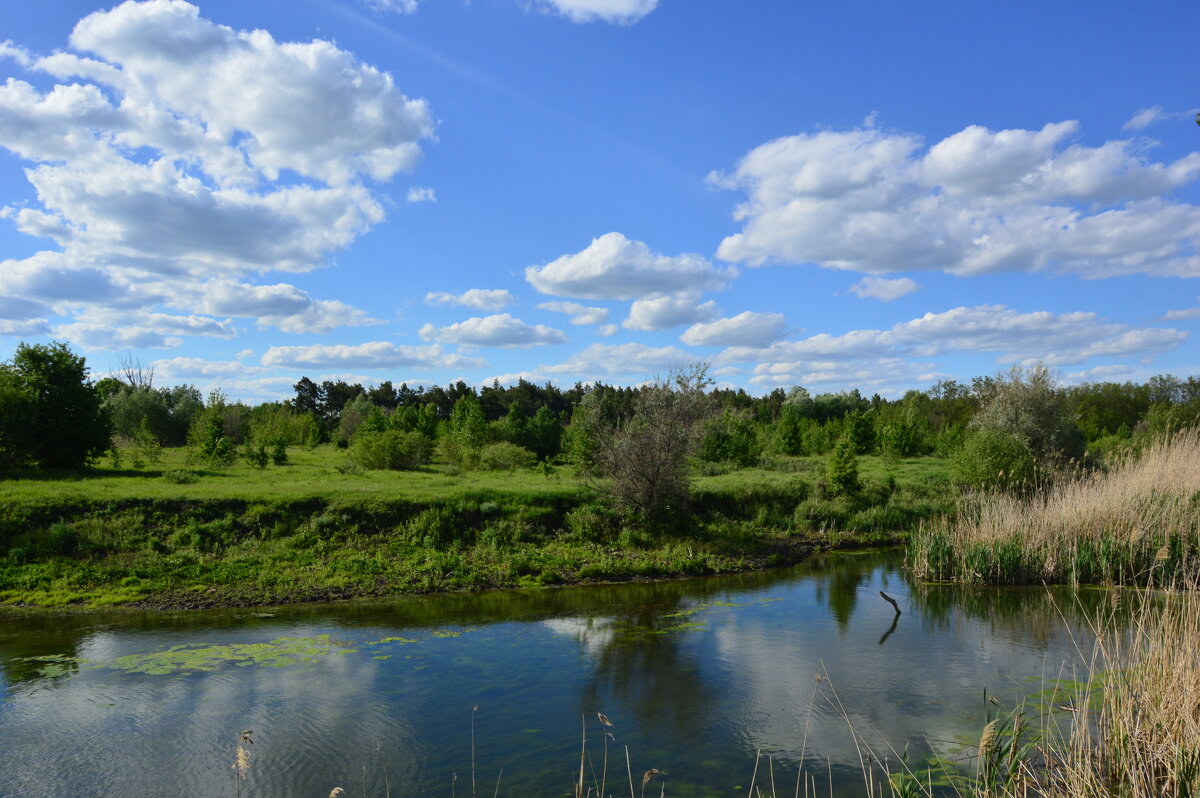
(1138, 523)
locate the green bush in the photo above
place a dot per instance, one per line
(391, 450)
(841, 475)
(731, 437)
(991, 458)
(505, 457)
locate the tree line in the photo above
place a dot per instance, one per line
(52, 415)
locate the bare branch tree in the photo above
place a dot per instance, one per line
(645, 459)
(137, 375)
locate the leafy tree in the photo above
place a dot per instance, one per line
(467, 422)
(841, 473)
(53, 416)
(1027, 405)
(732, 437)
(544, 433)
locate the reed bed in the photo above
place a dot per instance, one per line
(1130, 729)
(1138, 523)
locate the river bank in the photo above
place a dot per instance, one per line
(309, 532)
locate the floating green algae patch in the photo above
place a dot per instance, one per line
(278, 653)
(185, 658)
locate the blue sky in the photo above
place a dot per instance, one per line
(839, 195)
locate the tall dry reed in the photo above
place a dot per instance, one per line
(1137, 523)
(1130, 729)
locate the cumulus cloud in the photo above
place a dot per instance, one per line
(281, 305)
(417, 194)
(1100, 373)
(1185, 313)
(883, 289)
(621, 359)
(190, 368)
(502, 330)
(666, 312)
(1054, 339)
(371, 355)
(480, 298)
(745, 329)
(613, 267)
(170, 150)
(14, 308)
(116, 330)
(580, 314)
(621, 12)
(978, 201)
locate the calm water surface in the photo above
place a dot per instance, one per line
(697, 676)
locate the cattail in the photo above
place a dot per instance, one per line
(988, 740)
(336, 791)
(649, 774)
(604, 719)
(243, 761)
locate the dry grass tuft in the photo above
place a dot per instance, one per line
(1137, 523)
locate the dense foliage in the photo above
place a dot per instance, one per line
(50, 414)
(1001, 432)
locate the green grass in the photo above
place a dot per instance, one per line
(307, 531)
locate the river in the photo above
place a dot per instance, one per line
(698, 678)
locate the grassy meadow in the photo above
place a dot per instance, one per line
(178, 535)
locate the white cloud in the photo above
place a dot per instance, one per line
(398, 6)
(607, 330)
(18, 54)
(17, 309)
(187, 368)
(373, 355)
(622, 12)
(668, 311)
(1101, 373)
(1144, 118)
(979, 201)
(613, 267)
(883, 289)
(625, 359)
(1054, 339)
(417, 194)
(745, 329)
(281, 305)
(580, 314)
(21, 329)
(180, 150)
(1185, 313)
(481, 298)
(117, 330)
(498, 330)
(1178, 315)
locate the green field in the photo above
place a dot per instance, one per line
(173, 535)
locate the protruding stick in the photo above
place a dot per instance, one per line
(891, 601)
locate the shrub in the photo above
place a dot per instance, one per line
(1024, 404)
(841, 474)
(391, 449)
(732, 437)
(255, 456)
(505, 457)
(992, 458)
(646, 458)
